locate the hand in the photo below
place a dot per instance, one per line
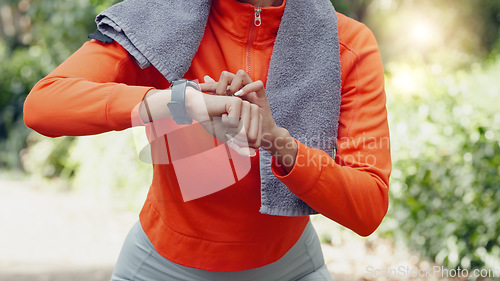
(275, 140)
(231, 120)
(241, 85)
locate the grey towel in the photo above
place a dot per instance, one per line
(303, 84)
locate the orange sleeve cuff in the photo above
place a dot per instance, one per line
(122, 107)
(305, 172)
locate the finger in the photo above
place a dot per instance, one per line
(240, 79)
(259, 137)
(245, 117)
(231, 143)
(241, 138)
(243, 151)
(208, 87)
(250, 127)
(209, 84)
(257, 87)
(218, 129)
(233, 109)
(236, 140)
(247, 151)
(226, 121)
(208, 79)
(253, 128)
(224, 81)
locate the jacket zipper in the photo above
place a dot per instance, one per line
(256, 22)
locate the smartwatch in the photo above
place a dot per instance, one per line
(177, 104)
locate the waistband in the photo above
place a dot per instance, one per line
(302, 259)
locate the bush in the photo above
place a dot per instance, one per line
(38, 36)
(445, 185)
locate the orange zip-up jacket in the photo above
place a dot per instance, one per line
(96, 89)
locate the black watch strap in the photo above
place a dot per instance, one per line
(177, 104)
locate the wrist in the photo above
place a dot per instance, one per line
(283, 149)
(278, 139)
(192, 96)
(153, 104)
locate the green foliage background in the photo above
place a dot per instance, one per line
(443, 112)
(35, 37)
(445, 185)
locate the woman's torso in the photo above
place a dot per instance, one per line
(222, 231)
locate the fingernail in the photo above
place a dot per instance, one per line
(230, 143)
(238, 93)
(247, 151)
(252, 153)
(207, 79)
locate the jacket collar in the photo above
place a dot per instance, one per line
(238, 18)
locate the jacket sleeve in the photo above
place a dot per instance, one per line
(352, 189)
(89, 93)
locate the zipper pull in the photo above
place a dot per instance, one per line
(257, 20)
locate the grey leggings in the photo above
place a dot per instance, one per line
(139, 261)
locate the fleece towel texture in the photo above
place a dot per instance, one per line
(303, 84)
